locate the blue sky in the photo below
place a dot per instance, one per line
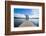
(21, 12)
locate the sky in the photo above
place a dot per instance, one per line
(21, 12)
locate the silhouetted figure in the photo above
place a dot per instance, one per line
(27, 17)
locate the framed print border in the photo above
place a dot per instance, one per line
(8, 17)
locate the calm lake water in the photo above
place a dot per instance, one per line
(18, 22)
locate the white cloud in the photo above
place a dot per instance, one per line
(33, 16)
(23, 16)
(19, 15)
(35, 13)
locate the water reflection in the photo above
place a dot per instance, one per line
(18, 22)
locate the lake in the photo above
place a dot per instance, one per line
(18, 22)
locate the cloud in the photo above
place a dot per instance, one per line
(19, 15)
(33, 16)
(23, 16)
(35, 13)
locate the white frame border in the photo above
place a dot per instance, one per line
(25, 28)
